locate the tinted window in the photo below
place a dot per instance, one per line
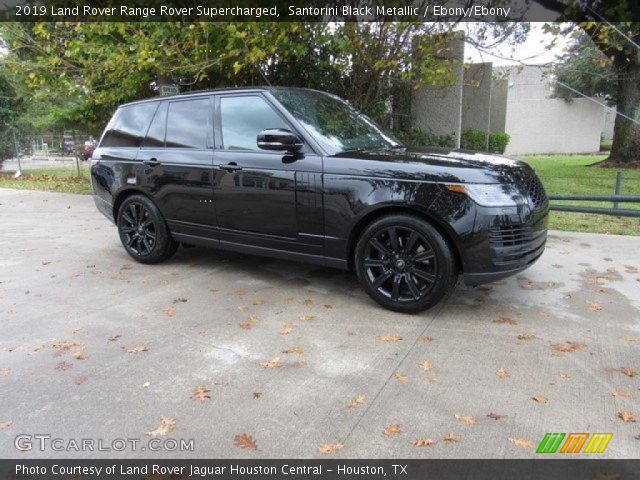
(187, 123)
(155, 135)
(128, 126)
(243, 118)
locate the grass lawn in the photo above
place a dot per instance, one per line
(58, 179)
(572, 174)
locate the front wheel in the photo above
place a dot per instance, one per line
(143, 231)
(405, 264)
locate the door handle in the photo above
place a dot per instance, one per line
(231, 167)
(152, 162)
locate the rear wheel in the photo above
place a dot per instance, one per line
(404, 263)
(143, 231)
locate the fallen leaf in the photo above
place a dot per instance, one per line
(595, 307)
(495, 416)
(330, 448)
(139, 349)
(425, 339)
(426, 365)
(258, 302)
(64, 366)
(306, 318)
(75, 330)
(507, 320)
(628, 338)
(274, 363)
(527, 336)
(400, 377)
(201, 394)
(253, 319)
(502, 373)
(631, 269)
(422, 442)
(627, 416)
(622, 393)
(607, 476)
(307, 302)
(393, 429)
(257, 394)
(565, 376)
(628, 371)
(359, 401)
(4, 372)
(568, 346)
(168, 311)
(540, 399)
(240, 293)
(286, 329)
(468, 419)
(544, 313)
(451, 437)
(242, 308)
(389, 338)
(245, 441)
(6, 424)
(519, 442)
(114, 337)
(245, 326)
(167, 425)
(80, 380)
(328, 306)
(295, 349)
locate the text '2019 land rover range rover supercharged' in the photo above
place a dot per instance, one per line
(300, 174)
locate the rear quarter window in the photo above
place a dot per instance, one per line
(128, 125)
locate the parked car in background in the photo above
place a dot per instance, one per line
(87, 149)
(301, 175)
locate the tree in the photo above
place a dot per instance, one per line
(584, 68)
(10, 107)
(613, 28)
(96, 66)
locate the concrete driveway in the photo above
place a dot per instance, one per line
(94, 346)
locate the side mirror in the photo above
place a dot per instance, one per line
(279, 139)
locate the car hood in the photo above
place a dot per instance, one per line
(436, 164)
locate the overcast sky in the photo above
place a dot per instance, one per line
(532, 52)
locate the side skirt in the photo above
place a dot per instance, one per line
(261, 251)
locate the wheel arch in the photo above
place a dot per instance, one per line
(122, 196)
(374, 215)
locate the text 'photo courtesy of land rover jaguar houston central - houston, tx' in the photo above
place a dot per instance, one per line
(299, 174)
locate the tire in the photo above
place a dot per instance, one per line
(143, 231)
(405, 264)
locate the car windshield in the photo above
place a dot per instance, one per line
(336, 125)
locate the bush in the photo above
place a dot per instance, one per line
(416, 137)
(498, 142)
(473, 139)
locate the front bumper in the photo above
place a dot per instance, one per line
(505, 243)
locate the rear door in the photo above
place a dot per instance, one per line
(178, 161)
(263, 198)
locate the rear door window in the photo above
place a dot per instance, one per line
(128, 126)
(188, 123)
(155, 135)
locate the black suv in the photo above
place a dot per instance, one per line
(301, 175)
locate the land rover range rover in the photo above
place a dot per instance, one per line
(300, 174)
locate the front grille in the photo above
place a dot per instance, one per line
(532, 188)
(509, 236)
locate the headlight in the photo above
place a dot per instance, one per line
(489, 195)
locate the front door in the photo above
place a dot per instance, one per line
(259, 194)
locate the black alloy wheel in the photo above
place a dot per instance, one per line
(404, 263)
(143, 231)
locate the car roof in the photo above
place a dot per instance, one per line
(216, 90)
